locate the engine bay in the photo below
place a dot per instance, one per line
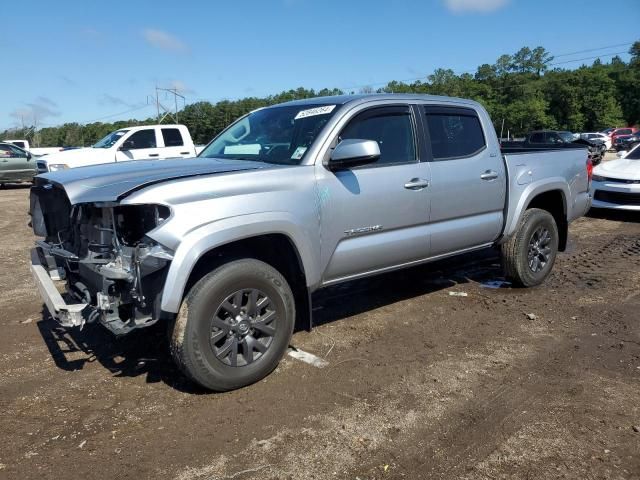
(102, 253)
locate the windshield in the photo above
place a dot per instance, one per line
(566, 136)
(633, 154)
(279, 135)
(110, 139)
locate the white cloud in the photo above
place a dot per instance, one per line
(164, 41)
(466, 6)
(91, 33)
(36, 111)
(111, 100)
(181, 87)
(68, 81)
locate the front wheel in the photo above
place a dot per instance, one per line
(528, 256)
(234, 325)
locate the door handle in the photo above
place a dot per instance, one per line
(416, 184)
(489, 175)
(185, 153)
(154, 154)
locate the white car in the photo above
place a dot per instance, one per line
(616, 184)
(597, 136)
(132, 143)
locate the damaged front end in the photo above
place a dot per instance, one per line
(111, 269)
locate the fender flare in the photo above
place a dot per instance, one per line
(210, 236)
(529, 193)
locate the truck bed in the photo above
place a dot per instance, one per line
(532, 170)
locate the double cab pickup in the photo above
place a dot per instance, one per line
(228, 246)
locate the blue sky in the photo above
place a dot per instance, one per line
(88, 60)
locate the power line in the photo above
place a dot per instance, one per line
(116, 114)
(587, 58)
(593, 49)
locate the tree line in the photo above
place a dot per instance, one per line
(522, 92)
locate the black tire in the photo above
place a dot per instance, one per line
(520, 252)
(199, 336)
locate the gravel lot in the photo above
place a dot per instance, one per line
(420, 383)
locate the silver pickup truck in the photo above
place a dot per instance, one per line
(229, 246)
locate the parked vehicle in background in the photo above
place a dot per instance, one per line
(622, 131)
(627, 142)
(35, 151)
(16, 164)
(132, 143)
(616, 184)
(560, 139)
(598, 136)
(607, 131)
(288, 199)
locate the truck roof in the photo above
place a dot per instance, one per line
(137, 127)
(344, 99)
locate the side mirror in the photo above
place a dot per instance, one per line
(127, 145)
(29, 156)
(354, 152)
(621, 153)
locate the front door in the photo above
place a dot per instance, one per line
(375, 216)
(140, 145)
(15, 164)
(468, 180)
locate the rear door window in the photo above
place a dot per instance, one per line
(537, 137)
(454, 132)
(172, 137)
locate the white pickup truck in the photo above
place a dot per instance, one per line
(35, 151)
(131, 143)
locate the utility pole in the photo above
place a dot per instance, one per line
(157, 105)
(167, 111)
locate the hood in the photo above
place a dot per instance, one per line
(110, 182)
(68, 156)
(625, 169)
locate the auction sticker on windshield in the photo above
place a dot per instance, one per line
(314, 111)
(297, 155)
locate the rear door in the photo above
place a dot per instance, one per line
(376, 216)
(468, 184)
(174, 143)
(140, 145)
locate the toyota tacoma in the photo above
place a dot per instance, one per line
(227, 247)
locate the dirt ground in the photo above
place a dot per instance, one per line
(420, 383)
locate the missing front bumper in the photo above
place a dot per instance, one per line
(67, 315)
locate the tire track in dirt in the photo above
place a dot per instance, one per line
(351, 435)
(594, 266)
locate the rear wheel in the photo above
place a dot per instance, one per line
(528, 256)
(234, 325)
